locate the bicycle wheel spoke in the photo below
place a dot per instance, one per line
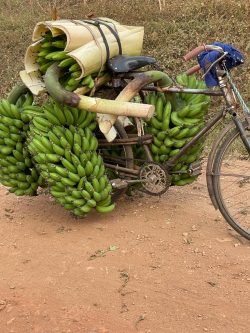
(230, 184)
(233, 195)
(233, 175)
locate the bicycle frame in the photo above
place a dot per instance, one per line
(225, 91)
(230, 108)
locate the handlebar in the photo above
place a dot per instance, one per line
(196, 51)
(193, 70)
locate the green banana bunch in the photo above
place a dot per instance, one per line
(17, 170)
(158, 126)
(62, 144)
(176, 121)
(52, 49)
(53, 114)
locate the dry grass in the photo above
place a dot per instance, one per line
(169, 33)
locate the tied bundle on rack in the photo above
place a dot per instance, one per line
(81, 49)
(83, 45)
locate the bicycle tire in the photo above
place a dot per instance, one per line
(231, 182)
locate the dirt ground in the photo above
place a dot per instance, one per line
(154, 265)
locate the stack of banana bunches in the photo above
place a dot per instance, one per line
(178, 118)
(52, 50)
(53, 145)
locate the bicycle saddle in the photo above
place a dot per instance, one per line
(124, 64)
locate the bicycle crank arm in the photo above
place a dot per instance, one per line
(124, 183)
(195, 169)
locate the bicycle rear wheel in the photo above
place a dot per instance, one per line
(231, 181)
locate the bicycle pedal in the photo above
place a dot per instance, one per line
(119, 183)
(195, 168)
(123, 183)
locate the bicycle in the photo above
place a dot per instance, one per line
(229, 190)
(231, 145)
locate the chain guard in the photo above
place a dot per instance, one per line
(155, 178)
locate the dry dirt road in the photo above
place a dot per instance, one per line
(154, 265)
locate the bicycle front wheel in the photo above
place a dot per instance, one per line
(231, 180)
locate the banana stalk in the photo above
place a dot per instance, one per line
(115, 107)
(18, 90)
(119, 107)
(131, 90)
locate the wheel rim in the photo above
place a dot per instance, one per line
(232, 175)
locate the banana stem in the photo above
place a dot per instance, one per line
(111, 108)
(115, 107)
(54, 88)
(18, 90)
(161, 78)
(91, 104)
(132, 89)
